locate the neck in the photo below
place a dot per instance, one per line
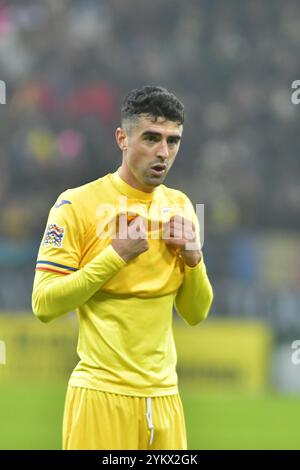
(129, 178)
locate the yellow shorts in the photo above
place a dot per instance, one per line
(101, 420)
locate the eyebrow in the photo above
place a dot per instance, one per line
(158, 134)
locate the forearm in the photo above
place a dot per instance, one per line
(195, 295)
(54, 295)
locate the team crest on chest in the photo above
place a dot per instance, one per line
(54, 236)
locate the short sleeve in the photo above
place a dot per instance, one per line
(60, 249)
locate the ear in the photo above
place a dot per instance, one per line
(121, 138)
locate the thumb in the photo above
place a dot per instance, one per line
(142, 228)
(137, 228)
(122, 222)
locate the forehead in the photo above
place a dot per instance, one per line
(160, 125)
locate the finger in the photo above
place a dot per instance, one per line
(142, 228)
(177, 233)
(137, 228)
(122, 225)
(182, 222)
(181, 232)
(189, 235)
(176, 219)
(136, 221)
(180, 243)
(132, 218)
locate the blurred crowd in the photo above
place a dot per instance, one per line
(67, 65)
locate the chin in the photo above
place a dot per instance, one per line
(154, 182)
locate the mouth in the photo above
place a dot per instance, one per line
(158, 170)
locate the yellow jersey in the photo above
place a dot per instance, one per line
(124, 309)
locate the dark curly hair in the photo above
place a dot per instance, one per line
(153, 101)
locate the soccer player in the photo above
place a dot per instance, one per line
(122, 250)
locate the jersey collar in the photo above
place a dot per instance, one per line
(128, 190)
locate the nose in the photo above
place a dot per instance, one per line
(163, 150)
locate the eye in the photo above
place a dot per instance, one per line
(173, 141)
(151, 138)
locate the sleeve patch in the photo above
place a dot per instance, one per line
(54, 236)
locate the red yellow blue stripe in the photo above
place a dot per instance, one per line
(43, 265)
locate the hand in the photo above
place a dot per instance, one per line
(131, 239)
(178, 233)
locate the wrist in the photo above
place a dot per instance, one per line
(191, 258)
(121, 252)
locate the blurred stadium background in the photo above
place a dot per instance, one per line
(66, 65)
